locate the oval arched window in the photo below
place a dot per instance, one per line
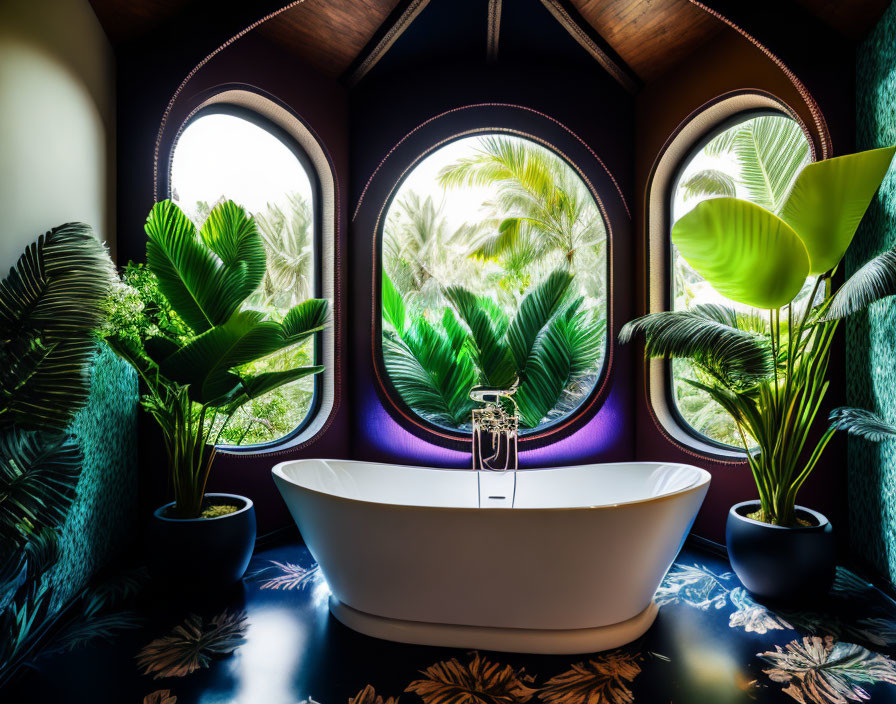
(494, 271)
(755, 157)
(229, 153)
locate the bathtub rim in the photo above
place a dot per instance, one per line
(703, 480)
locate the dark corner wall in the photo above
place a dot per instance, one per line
(734, 62)
(435, 84)
(871, 335)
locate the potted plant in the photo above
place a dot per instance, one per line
(187, 330)
(766, 364)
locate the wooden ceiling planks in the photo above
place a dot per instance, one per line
(852, 18)
(123, 21)
(326, 34)
(650, 36)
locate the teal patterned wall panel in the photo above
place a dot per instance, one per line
(871, 336)
(101, 520)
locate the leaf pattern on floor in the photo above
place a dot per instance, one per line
(192, 644)
(695, 585)
(753, 617)
(826, 671)
(478, 681)
(604, 680)
(160, 696)
(286, 575)
(368, 695)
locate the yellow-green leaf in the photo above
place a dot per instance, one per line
(828, 201)
(745, 252)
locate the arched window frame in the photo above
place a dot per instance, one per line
(691, 136)
(288, 128)
(538, 437)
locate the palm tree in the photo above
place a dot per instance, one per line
(288, 240)
(542, 207)
(421, 248)
(770, 151)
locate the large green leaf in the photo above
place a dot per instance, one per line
(38, 475)
(828, 201)
(393, 306)
(708, 336)
(536, 309)
(492, 355)
(745, 252)
(50, 306)
(204, 288)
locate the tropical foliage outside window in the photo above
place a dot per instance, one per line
(220, 157)
(494, 270)
(757, 159)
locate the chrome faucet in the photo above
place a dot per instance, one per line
(495, 430)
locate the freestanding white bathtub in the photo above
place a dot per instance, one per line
(562, 560)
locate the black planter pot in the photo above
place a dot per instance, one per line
(207, 553)
(777, 563)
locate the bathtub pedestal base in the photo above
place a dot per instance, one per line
(510, 640)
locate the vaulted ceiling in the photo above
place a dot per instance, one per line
(631, 38)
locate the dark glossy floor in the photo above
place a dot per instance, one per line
(273, 642)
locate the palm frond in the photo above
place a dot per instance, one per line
(862, 424)
(535, 311)
(709, 182)
(393, 306)
(736, 358)
(492, 355)
(429, 375)
(478, 681)
(38, 476)
(606, 678)
(50, 305)
(874, 281)
(105, 627)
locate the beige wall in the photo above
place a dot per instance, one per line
(57, 122)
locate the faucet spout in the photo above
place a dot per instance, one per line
(495, 428)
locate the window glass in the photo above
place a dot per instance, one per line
(756, 159)
(494, 271)
(223, 156)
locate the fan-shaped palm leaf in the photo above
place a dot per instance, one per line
(603, 680)
(38, 476)
(287, 236)
(862, 423)
(429, 375)
(491, 354)
(736, 358)
(568, 347)
(205, 276)
(50, 305)
(536, 309)
(874, 281)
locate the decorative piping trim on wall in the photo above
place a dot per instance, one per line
(239, 35)
(821, 124)
(494, 30)
(489, 105)
(581, 36)
(395, 31)
(600, 390)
